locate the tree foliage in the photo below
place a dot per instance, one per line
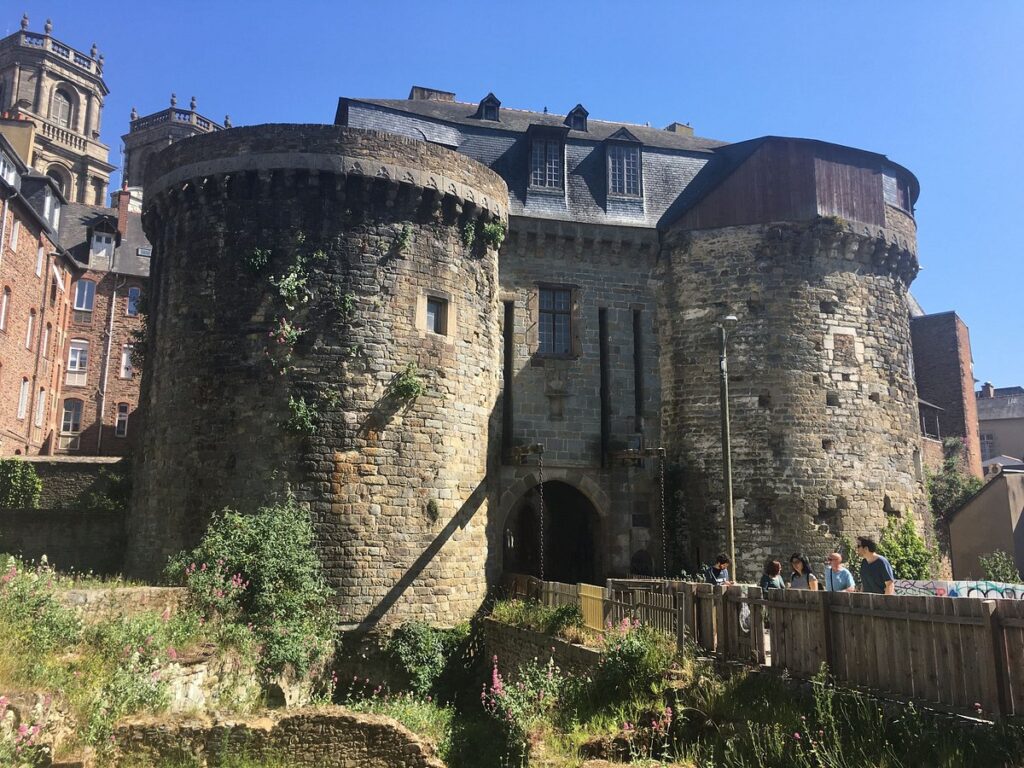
(1000, 566)
(910, 556)
(951, 486)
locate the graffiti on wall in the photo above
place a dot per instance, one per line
(943, 588)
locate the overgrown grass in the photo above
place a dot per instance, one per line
(101, 672)
(565, 621)
(420, 714)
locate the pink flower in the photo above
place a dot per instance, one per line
(171, 653)
(796, 736)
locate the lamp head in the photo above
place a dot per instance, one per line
(729, 322)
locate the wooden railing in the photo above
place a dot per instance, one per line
(959, 654)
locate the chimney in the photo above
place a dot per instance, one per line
(987, 390)
(419, 93)
(681, 128)
(123, 199)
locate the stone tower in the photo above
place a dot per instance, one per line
(815, 266)
(306, 281)
(61, 90)
(151, 133)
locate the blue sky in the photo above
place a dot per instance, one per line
(935, 85)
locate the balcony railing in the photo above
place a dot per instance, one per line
(175, 115)
(46, 43)
(63, 136)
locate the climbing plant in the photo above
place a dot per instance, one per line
(951, 486)
(908, 553)
(407, 385)
(20, 486)
(494, 233)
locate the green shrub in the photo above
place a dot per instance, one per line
(469, 234)
(20, 486)
(521, 706)
(406, 385)
(302, 416)
(494, 233)
(111, 492)
(30, 615)
(635, 659)
(404, 239)
(910, 556)
(257, 259)
(1000, 566)
(261, 570)
(530, 614)
(423, 652)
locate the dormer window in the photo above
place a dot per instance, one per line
(624, 167)
(577, 118)
(489, 108)
(7, 172)
(547, 156)
(102, 247)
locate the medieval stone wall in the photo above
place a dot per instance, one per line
(267, 377)
(824, 414)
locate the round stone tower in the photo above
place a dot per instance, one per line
(323, 321)
(815, 266)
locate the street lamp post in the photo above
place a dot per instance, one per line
(727, 324)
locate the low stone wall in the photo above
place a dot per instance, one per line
(70, 539)
(207, 682)
(515, 646)
(66, 478)
(99, 604)
(328, 737)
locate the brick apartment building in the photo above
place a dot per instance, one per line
(35, 280)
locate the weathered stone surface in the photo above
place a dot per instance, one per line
(102, 604)
(218, 435)
(515, 647)
(823, 403)
(328, 737)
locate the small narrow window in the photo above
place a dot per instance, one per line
(78, 363)
(121, 427)
(46, 341)
(624, 169)
(126, 362)
(133, 301)
(5, 303)
(85, 295)
(40, 258)
(23, 399)
(546, 163)
(437, 315)
(30, 328)
(15, 233)
(102, 246)
(555, 321)
(71, 423)
(41, 408)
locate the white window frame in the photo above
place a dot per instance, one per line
(46, 342)
(5, 302)
(15, 234)
(7, 172)
(101, 243)
(86, 302)
(69, 438)
(41, 408)
(23, 400)
(78, 363)
(121, 424)
(133, 304)
(30, 328)
(547, 163)
(127, 372)
(624, 180)
(40, 258)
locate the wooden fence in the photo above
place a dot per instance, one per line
(949, 653)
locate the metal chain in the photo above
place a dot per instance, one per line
(664, 524)
(540, 488)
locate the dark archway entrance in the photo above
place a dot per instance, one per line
(570, 535)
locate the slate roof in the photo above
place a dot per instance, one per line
(519, 120)
(1006, 407)
(75, 222)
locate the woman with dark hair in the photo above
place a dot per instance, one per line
(802, 577)
(772, 577)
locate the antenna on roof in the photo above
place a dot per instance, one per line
(545, 110)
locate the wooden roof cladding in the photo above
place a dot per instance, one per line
(779, 179)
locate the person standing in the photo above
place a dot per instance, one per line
(876, 573)
(772, 577)
(718, 573)
(837, 576)
(802, 576)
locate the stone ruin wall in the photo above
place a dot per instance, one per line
(395, 488)
(823, 405)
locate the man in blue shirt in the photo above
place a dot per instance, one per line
(837, 577)
(876, 574)
(718, 573)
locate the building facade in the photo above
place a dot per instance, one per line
(1001, 421)
(549, 290)
(35, 280)
(61, 90)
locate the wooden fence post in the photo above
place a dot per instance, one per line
(756, 624)
(826, 630)
(997, 645)
(720, 642)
